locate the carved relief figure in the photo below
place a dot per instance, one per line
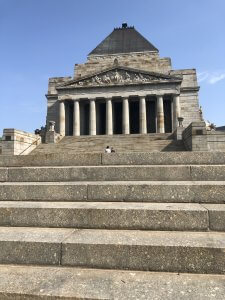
(98, 80)
(136, 77)
(127, 77)
(117, 77)
(106, 79)
(143, 79)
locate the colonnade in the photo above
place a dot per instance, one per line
(160, 128)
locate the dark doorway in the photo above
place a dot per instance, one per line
(101, 118)
(151, 116)
(84, 118)
(167, 115)
(134, 116)
(69, 118)
(117, 117)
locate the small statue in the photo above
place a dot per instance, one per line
(51, 125)
(201, 114)
(210, 126)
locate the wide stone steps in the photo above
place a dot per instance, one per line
(113, 173)
(114, 191)
(170, 251)
(73, 148)
(74, 224)
(114, 215)
(95, 159)
(47, 282)
(121, 143)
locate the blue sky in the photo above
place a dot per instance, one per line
(45, 38)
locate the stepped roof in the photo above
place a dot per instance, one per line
(123, 40)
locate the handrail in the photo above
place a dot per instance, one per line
(29, 146)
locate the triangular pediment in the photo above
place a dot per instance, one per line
(120, 76)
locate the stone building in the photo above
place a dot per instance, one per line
(123, 88)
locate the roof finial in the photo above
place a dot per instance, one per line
(124, 25)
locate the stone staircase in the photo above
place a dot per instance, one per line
(113, 226)
(121, 143)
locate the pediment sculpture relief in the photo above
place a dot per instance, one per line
(118, 77)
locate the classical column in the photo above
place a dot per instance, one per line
(76, 118)
(160, 115)
(109, 118)
(142, 115)
(92, 120)
(126, 121)
(62, 118)
(176, 110)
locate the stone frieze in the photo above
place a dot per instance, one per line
(118, 76)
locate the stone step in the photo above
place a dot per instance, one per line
(121, 143)
(74, 148)
(114, 215)
(131, 191)
(141, 158)
(46, 282)
(153, 136)
(170, 251)
(111, 173)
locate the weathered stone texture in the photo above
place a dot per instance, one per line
(18, 142)
(148, 61)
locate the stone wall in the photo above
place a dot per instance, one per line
(216, 140)
(18, 142)
(197, 138)
(147, 61)
(189, 103)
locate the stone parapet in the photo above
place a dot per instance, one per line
(216, 140)
(18, 142)
(195, 137)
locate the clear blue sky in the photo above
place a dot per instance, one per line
(45, 38)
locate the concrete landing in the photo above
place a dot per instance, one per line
(51, 283)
